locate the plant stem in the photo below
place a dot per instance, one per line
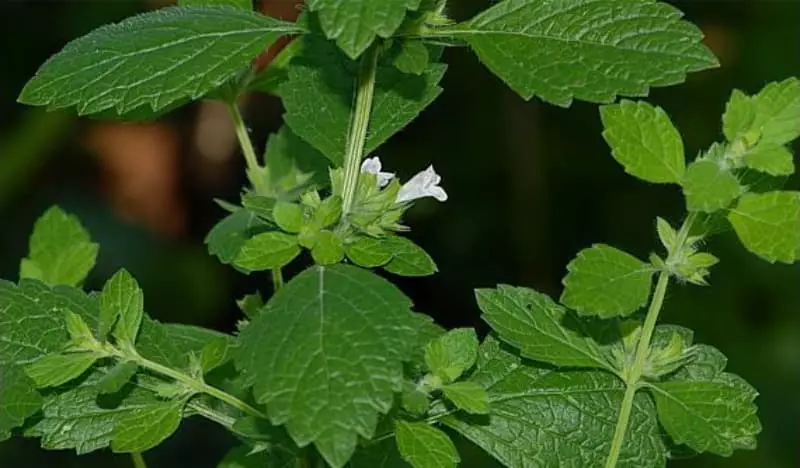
(277, 279)
(138, 460)
(643, 347)
(359, 124)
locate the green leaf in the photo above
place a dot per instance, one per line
(241, 4)
(709, 187)
(226, 239)
(414, 400)
(624, 47)
(267, 251)
(740, 112)
(606, 282)
(154, 59)
(452, 354)
(147, 427)
(243, 457)
(541, 416)
(408, 259)
(771, 159)
(468, 396)
(355, 23)
(368, 252)
(412, 57)
(215, 353)
(426, 331)
(56, 369)
(277, 71)
(19, 398)
(643, 139)
(768, 225)
(333, 340)
(329, 212)
(76, 327)
(539, 328)
(424, 446)
(251, 304)
(289, 216)
(293, 166)
(322, 84)
(328, 249)
(116, 379)
(121, 298)
(61, 251)
(777, 112)
(708, 409)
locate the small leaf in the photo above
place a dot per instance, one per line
(146, 427)
(540, 328)
(76, 327)
(468, 396)
(408, 259)
(61, 251)
(19, 398)
(368, 252)
(607, 282)
(414, 400)
(777, 112)
(624, 47)
(117, 377)
(452, 354)
(154, 59)
(768, 225)
(289, 216)
(774, 160)
(215, 353)
(740, 112)
(709, 187)
(644, 141)
(267, 251)
(412, 57)
(251, 304)
(667, 234)
(56, 369)
(226, 239)
(328, 249)
(329, 211)
(121, 297)
(424, 446)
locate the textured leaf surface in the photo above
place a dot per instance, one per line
(18, 398)
(226, 239)
(368, 252)
(61, 251)
(773, 113)
(319, 98)
(607, 282)
(544, 417)
(452, 354)
(408, 259)
(424, 446)
(539, 328)
(122, 301)
(355, 23)
(468, 396)
(153, 59)
(56, 369)
(145, 428)
(325, 355)
(768, 225)
(644, 141)
(624, 47)
(709, 187)
(267, 251)
(708, 409)
(771, 159)
(116, 378)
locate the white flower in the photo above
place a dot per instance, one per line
(424, 184)
(373, 166)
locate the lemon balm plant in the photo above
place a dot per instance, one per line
(335, 368)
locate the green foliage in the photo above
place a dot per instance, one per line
(467, 396)
(146, 427)
(19, 396)
(769, 225)
(56, 369)
(424, 446)
(452, 354)
(241, 4)
(266, 251)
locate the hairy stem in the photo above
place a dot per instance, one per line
(359, 124)
(643, 347)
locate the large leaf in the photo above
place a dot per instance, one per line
(319, 98)
(145, 428)
(592, 50)
(545, 417)
(154, 59)
(61, 251)
(355, 23)
(325, 355)
(768, 225)
(18, 396)
(539, 328)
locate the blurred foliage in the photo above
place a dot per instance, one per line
(529, 186)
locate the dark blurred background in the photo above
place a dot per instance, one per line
(529, 185)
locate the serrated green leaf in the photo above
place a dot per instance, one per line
(77, 327)
(777, 112)
(468, 396)
(226, 239)
(322, 84)
(708, 409)
(740, 112)
(606, 282)
(267, 251)
(424, 446)
(539, 328)
(289, 216)
(121, 302)
(329, 211)
(56, 369)
(545, 417)
(708, 187)
(624, 47)
(328, 249)
(19, 398)
(116, 378)
(241, 4)
(413, 400)
(643, 139)
(452, 354)
(147, 427)
(768, 225)
(333, 340)
(408, 259)
(293, 166)
(215, 353)
(368, 252)
(154, 59)
(426, 331)
(412, 57)
(354, 24)
(61, 251)
(771, 159)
